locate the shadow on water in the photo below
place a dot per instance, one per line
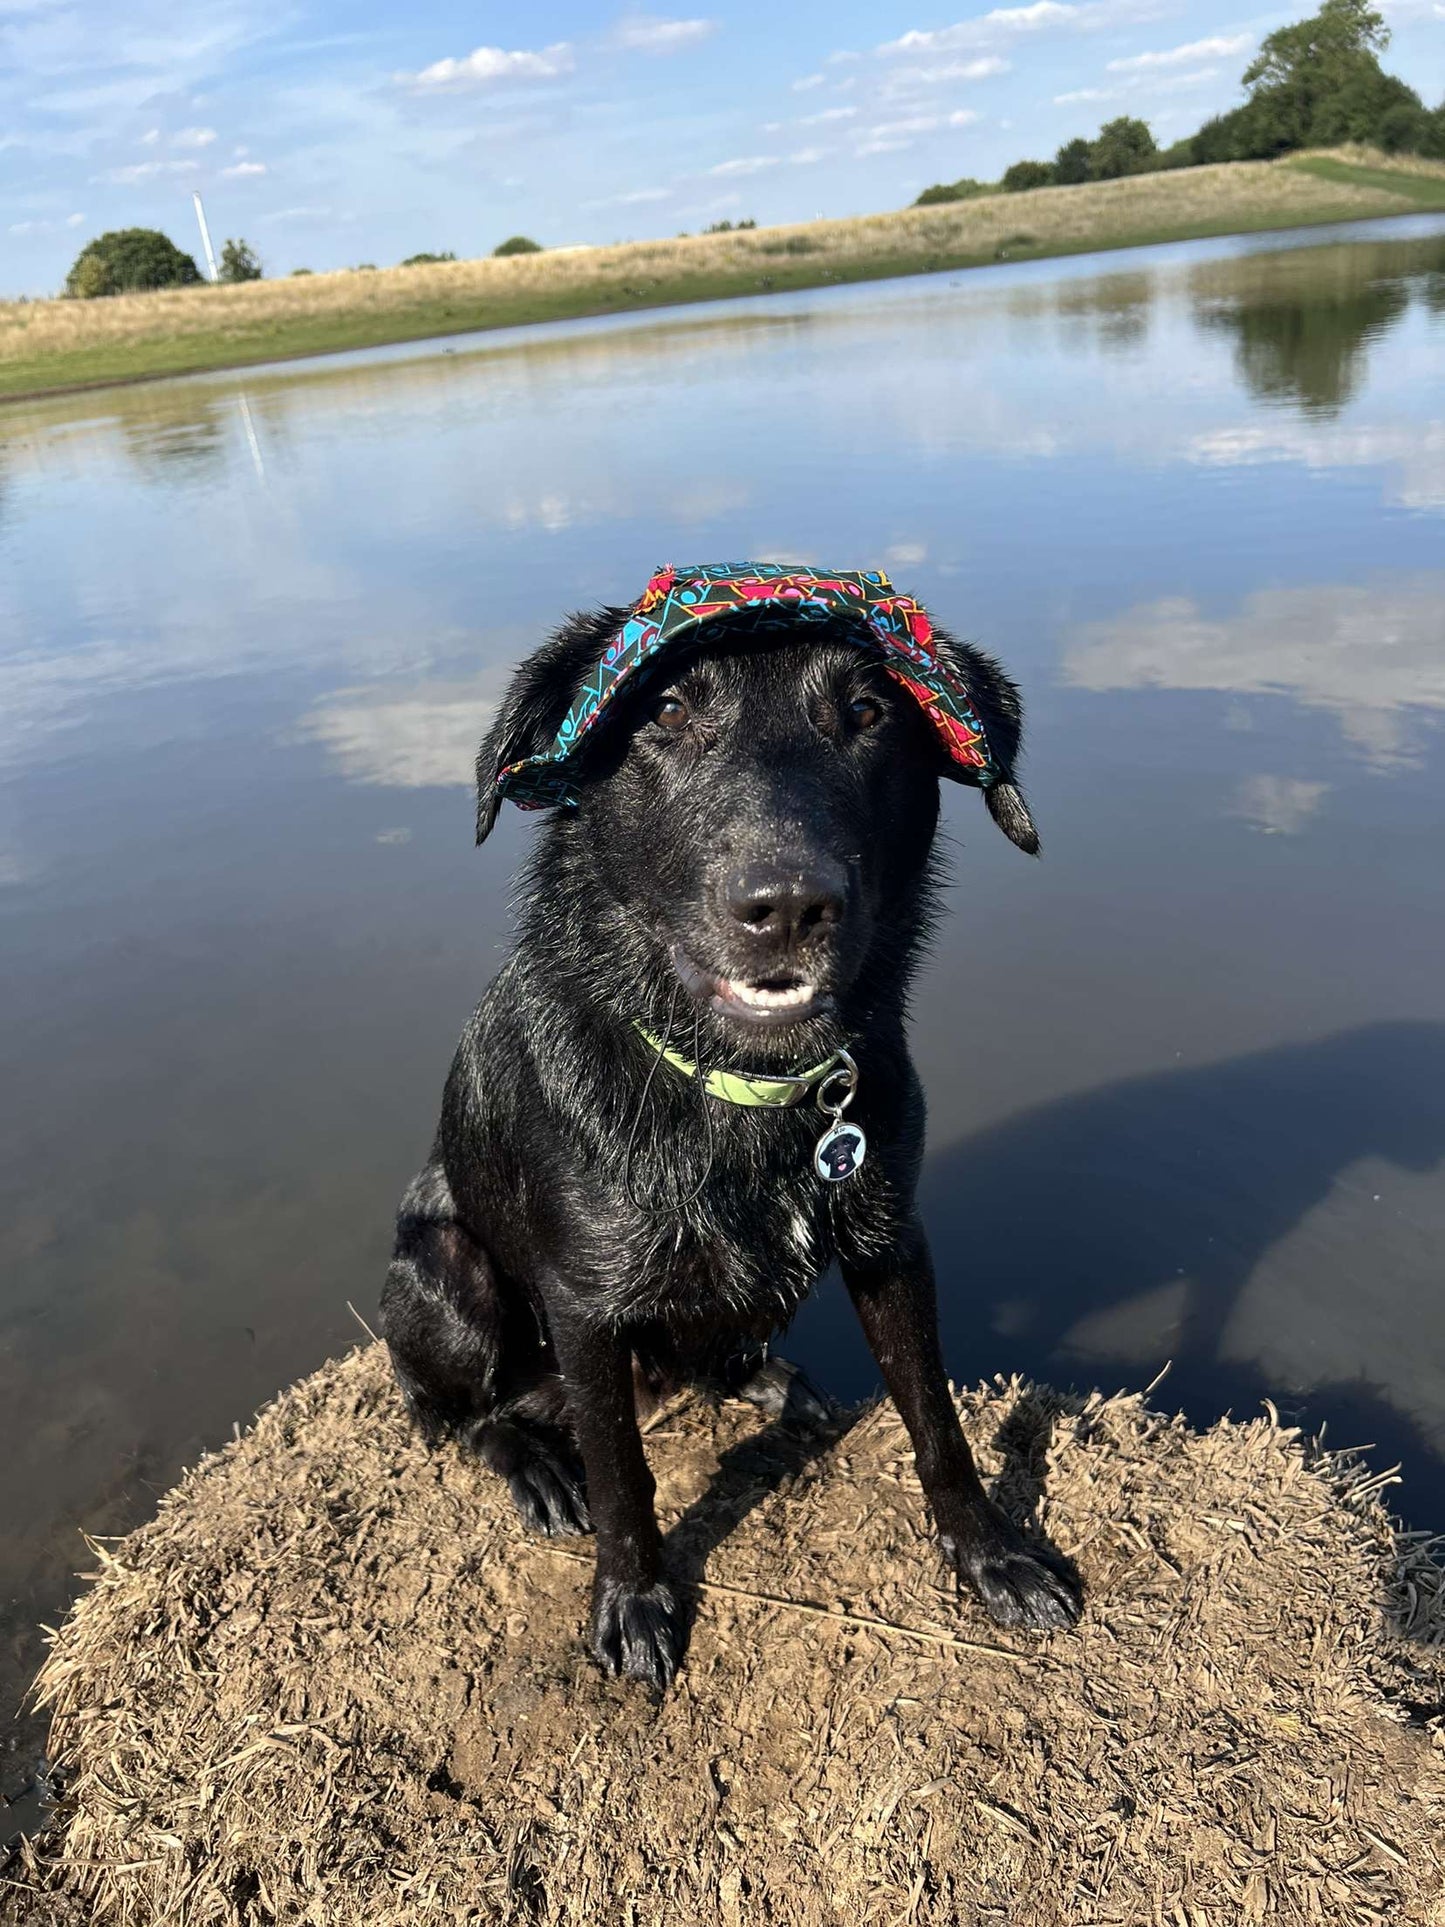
(1168, 1191)
(1303, 327)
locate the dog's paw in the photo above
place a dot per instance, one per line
(637, 1635)
(1018, 1583)
(544, 1477)
(785, 1392)
(550, 1496)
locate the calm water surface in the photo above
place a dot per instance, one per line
(1186, 1076)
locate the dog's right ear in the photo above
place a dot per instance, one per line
(1000, 709)
(541, 691)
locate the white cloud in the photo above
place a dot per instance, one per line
(305, 215)
(418, 738)
(1414, 450)
(1218, 47)
(746, 164)
(1144, 83)
(915, 124)
(636, 198)
(969, 33)
(1004, 24)
(806, 156)
(243, 171)
(984, 68)
(880, 144)
(1278, 805)
(194, 137)
(146, 171)
(644, 33)
(75, 220)
(907, 553)
(965, 117)
(1370, 654)
(808, 82)
(828, 113)
(486, 65)
(1180, 83)
(150, 137)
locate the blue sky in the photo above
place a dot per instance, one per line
(328, 134)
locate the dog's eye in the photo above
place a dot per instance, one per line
(865, 713)
(671, 712)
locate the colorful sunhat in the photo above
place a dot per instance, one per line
(678, 601)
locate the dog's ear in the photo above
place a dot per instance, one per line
(542, 690)
(1000, 710)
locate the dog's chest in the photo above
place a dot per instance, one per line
(745, 1261)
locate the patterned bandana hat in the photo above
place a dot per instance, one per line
(678, 601)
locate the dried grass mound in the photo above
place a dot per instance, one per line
(333, 1682)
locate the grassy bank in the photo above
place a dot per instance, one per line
(50, 345)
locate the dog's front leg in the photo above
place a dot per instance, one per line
(1019, 1584)
(637, 1623)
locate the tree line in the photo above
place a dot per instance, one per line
(1315, 83)
(135, 260)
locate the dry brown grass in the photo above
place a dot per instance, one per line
(1373, 157)
(334, 1683)
(51, 342)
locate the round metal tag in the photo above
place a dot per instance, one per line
(839, 1152)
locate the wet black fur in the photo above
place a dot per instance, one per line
(589, 1223)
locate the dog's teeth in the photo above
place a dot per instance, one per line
(762, 998)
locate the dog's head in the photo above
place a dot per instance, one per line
(759, 809)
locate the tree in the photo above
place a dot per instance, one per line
(239, 263)
(942, 191)
(517, 244)
(427, 260)
(1312, 353)
(1403, 128)
(1180, 154)
(1024, 175)
(1302, 72)
(1073, 164)
(127, 261)
(1343, 31)
(1124, 146)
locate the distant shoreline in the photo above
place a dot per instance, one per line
(67, 347)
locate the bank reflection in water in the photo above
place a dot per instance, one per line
(1185, 1217)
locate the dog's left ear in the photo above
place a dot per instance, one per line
(1000, 710)
(541, 691)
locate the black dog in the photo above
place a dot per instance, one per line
(747, 876)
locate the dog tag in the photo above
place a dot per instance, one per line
(839, 1151)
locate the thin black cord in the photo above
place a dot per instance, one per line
(666, 1038)
(700, 1076)
(664, 1203)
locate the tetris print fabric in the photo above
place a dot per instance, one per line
(678, 601)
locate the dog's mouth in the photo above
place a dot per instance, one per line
(765, 1002)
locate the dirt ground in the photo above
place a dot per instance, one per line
(333, 1682)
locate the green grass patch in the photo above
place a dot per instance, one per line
(1426, 190)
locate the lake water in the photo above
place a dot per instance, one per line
(250, 630)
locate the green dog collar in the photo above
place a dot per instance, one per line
(733, 1087)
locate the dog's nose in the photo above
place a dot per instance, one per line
(785, 902)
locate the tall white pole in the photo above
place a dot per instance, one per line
(205, 237)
